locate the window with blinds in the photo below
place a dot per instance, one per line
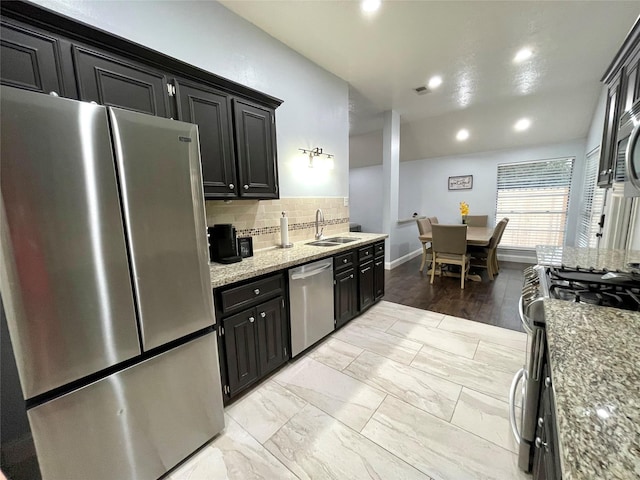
(592, 204)
(535, 197)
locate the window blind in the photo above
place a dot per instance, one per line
(535, 197)
(592, 204)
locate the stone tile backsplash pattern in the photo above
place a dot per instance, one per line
(260, 219)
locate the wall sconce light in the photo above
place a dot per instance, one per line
(316, 152)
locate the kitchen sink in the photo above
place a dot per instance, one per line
(341, 239)
(323, 243)
(332, 242)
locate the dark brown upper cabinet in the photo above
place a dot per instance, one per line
(609, 134)
(48, 52)
(30, 60)
(623, 89)
(255, 149)
(211, 111)
(115, 82)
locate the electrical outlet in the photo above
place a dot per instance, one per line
(346, 201)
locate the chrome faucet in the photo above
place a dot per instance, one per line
(319, 218)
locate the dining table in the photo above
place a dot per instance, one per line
(476, 236)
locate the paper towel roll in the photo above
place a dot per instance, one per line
(284, 230)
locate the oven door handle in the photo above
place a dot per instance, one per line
(525, 324)
(512, 404)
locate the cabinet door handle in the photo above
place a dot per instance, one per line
(246, 187)
(344, 261)
(540, 422)
(351, 276)
(547, 382)
(251, 319)
(53, 93)
(540, 443)
(231, 185)
(257, 291)
(364, 270)
(262, 314)
(379, 263)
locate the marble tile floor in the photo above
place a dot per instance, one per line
(398, 393)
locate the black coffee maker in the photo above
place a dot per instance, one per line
(222, 243)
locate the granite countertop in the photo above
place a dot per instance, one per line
(275, 259)
(595, 365)
(597, 258)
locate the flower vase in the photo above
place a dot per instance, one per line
(464, 219)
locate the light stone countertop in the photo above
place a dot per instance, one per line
(595, 366)
(272, 260)
(597, 258)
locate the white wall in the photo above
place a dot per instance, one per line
(366, 198)
(423, 187)
(207, 35)
(597, 122)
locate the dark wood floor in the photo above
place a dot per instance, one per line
(493, 302)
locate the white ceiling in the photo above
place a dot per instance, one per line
(470, 44)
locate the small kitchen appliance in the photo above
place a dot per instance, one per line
(223, 243)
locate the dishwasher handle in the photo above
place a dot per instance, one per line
(300, 276)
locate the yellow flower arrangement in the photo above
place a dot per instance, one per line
(464, 208)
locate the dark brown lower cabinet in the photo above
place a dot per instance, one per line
(254, 331)
(546, 460)
(367, 287)
(272, 352)
(345, 296)
(378, 278)
(240, 343)
(255, 344)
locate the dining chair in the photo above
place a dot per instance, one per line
(487, 257)
(433, 220)
(477, 220)
(424, 228)
(449, 246)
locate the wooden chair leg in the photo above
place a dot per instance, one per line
(433, 266)
(490, 264)
(424, 256)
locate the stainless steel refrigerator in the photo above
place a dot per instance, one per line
(105, 283)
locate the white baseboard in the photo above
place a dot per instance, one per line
(518, 256)
(404, 259)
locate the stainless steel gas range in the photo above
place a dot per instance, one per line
(582, 285)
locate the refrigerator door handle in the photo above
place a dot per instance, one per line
(512, 404)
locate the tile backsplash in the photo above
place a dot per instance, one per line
(260, 219)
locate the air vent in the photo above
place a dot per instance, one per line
(422, 90)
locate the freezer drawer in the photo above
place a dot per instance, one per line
(137, 423)
(159, 166)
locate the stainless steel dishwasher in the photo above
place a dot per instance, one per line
(311, 300)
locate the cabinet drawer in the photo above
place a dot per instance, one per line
(378, 249)
(365, 253)
(251, 293)
(343, 261)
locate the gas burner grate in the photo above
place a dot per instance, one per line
(588, 286)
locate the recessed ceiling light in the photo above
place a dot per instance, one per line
(462, 135)
(435, 82)
(522, 124)
(370, 5)
(522, 55)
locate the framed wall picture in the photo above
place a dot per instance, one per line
(461, 182)
(245, 247)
